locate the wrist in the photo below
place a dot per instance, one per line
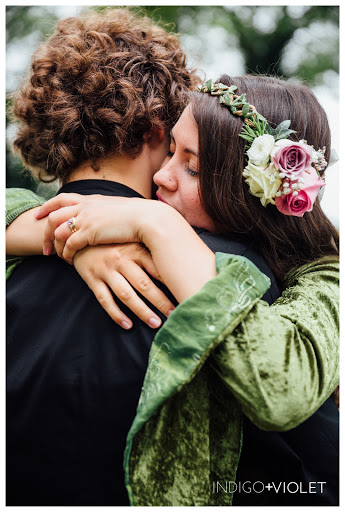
(158, 222)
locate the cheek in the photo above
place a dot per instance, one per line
(189, 194)
(195, 213)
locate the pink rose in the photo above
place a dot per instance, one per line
(304, 201)
(291, 158)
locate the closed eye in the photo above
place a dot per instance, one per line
(191, 173)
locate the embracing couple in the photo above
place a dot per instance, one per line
(236, 385)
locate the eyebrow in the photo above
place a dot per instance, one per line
(186, 150)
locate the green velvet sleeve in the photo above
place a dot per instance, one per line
(176, 393)
(282, 361)
(18, 201)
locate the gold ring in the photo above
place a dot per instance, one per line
(71, 224)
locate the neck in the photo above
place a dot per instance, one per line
(134, 173)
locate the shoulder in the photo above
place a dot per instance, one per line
(222, 243)
(323, 269)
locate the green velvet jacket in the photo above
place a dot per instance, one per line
(221, 353)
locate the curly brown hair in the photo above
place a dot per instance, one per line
(96, 86)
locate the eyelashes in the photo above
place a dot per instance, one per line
(187, 169)
(192, 173)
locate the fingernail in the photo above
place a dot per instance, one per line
(170, 311)
(155, 322)
(126, 325)
(36, 214)
(45, 251)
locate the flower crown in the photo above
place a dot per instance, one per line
(281, 172)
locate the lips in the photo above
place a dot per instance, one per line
(160, 198)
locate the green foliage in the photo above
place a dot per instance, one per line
(261, 127)
(22, 21)
(249, 133)
(281, 132)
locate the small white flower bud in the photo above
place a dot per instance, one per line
(285, 185)
(294, 185)
(300, 180)
(295, 193)
(278, 194)
(281, 175)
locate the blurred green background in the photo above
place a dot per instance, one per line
(295, 42)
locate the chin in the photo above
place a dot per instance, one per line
(207, 224)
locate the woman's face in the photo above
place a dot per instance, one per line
(178, 179)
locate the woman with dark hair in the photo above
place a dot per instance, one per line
(285, 241)
(278, 365)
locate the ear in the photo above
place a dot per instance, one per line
(155, 136)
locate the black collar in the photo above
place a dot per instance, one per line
(103, 187)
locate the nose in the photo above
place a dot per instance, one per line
(165, 177)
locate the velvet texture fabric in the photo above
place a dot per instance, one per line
(267, 358)
(221, 352)
(197, 431)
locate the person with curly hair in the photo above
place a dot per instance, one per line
(73, 385)
(95, 113)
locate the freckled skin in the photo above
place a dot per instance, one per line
(177, 184)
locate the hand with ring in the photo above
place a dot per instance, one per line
(122, 269)
(71, 224)
(100, 220)
(76, 221)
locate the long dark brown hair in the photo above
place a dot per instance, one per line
(284, 241)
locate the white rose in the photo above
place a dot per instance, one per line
(263, 182)
(260, 150)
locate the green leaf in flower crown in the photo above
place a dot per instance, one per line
(251, 131)
(233, 110)
(260, 125)
(209, 84)
(285, 134)
(227, 99)
(222, 86)
(284, 125)
(240, 100)
(260, 117)
(269, 130)
(246, 137)
(282, 131)
(245, 109)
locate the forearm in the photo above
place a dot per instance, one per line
(24, 236)
(182, 259)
